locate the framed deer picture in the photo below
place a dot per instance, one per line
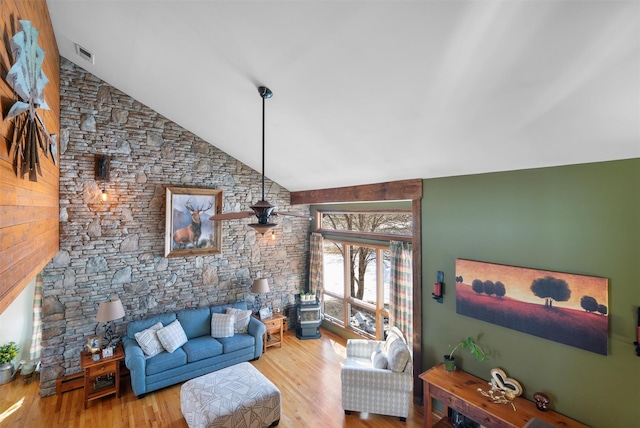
(189, 232)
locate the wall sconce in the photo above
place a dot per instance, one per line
(103, 172)
(438, 287)
(637, 342)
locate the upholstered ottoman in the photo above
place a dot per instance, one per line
(237, 396)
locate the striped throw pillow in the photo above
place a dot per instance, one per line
(148, 340)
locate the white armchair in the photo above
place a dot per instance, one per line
(377, 376)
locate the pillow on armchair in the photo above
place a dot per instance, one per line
(398, 356)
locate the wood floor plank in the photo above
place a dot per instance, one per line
(307, 372)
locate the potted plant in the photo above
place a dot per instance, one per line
(474, 349)
(7, 353)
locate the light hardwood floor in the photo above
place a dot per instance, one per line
(307, 372)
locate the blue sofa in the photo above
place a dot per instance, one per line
(200, 355)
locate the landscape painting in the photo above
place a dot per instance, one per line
(566, 308)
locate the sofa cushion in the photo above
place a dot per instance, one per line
(148, 340)
(222, 325)
(195, 322)
(242, 317)
(398, 356)
(237, 341)
(202, 347)
(172, 336)
(392, 335)
(166, 361)
(221, 309)
(135, 326)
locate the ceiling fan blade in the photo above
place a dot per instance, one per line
(232, 216)
(293, 214)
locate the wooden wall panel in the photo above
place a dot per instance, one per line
(29, 212)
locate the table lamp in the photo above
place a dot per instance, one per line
(260, 285)
(108, 312)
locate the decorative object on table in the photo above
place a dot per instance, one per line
(276, 305)
(566, 308)
(542, 401)
(107, 352)
(262, 210)
(498, 396)
(108, 312)
(96, 357)
(28, 81)
(260, 286)
(478, 353)
(500, 381)
(7, 353)
(438, 287)
(94, 344)
(265, 313)
(503, 389)
(189, 230)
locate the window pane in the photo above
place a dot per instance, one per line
(363, 274)
(334, 308)
(364, 320)
(386, 282)
(333, 268)
(388, 223)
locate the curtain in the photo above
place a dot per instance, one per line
(36, 337)
(401, 289)
(315, 264)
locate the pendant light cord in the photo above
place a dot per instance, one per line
(263, 101)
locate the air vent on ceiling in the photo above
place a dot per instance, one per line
(85, 54)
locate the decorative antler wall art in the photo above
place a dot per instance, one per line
(27, 79)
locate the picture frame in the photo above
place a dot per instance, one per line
(265, 313)
(567, 308)
(94, 343)
(189, 230)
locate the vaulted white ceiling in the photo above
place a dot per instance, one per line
(374, 91)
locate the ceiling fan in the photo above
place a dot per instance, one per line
(262, 209)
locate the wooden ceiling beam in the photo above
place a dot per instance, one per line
(390, 191)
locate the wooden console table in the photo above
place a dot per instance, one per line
(459, 390)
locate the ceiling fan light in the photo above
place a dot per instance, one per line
(262, 228)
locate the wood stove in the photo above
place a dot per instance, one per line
(309, 317)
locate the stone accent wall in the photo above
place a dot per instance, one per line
(117, 247)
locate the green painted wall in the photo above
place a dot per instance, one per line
(582, 219)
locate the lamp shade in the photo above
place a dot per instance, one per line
(260, 285)
(109, 311)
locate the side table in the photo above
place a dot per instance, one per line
(102, 377)
(275, 330)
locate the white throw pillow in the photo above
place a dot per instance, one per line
(222, 325)
(398, 356)
(148, 340)
(172, 336)
(241, 321)
(378, 360)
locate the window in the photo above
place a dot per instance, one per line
(356, 274)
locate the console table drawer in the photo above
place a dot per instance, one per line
(448, 399)
(484, 418)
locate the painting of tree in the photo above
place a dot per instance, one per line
(566, 308)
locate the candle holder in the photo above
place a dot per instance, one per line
(438, 287)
